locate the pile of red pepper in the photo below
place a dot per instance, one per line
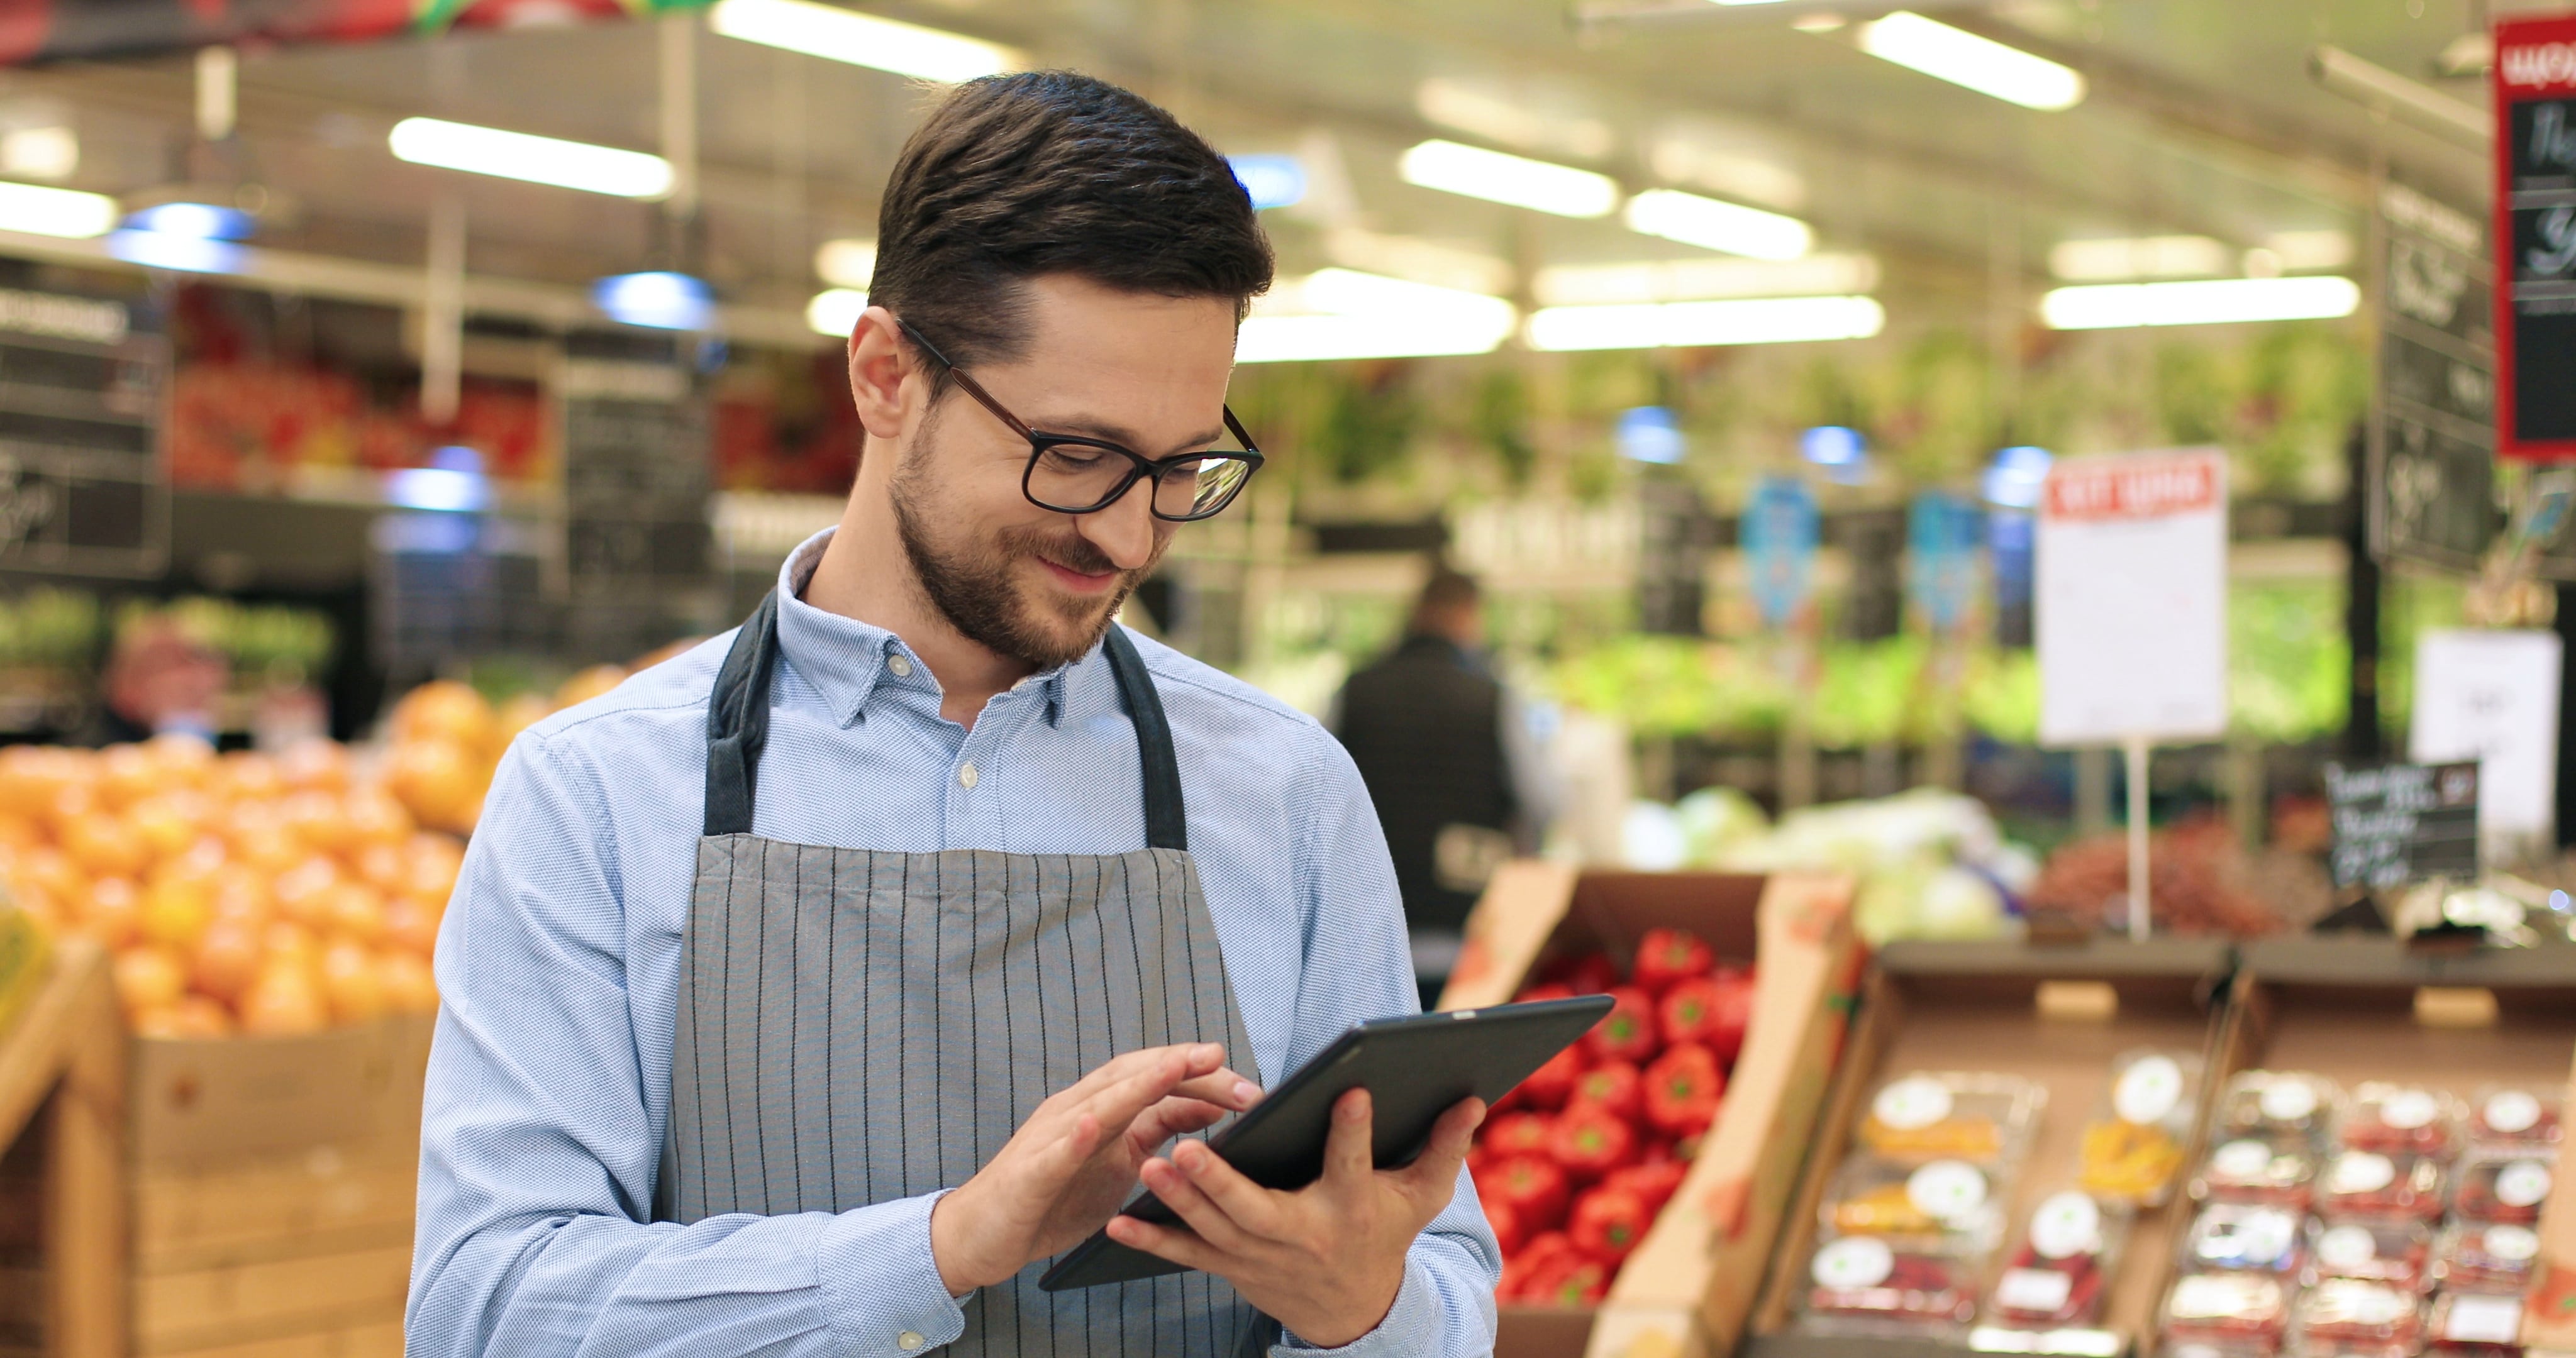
(1574, 1164)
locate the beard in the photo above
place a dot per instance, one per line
(978, 586)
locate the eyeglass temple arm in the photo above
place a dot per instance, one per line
(973, 388)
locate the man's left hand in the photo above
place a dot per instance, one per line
(1326, 1260)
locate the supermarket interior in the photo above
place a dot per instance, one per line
(1996, 574)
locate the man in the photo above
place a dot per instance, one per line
(811, 990)
(1450, 763)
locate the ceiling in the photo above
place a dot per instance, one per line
(2201, 120)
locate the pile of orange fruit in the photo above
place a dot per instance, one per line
(241, 893)
(445, 739)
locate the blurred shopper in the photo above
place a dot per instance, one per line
(161, 681)
(1452, 764)
(808, 991)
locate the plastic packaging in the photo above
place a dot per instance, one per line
(2133, 1148)
(2058, 1276)
(2398, 1253)
(2479, 1257)
(1952, 1115)
(2477, 1324)
(1946, 1203)
(2513, 1115)
(2400, 1118)
(2277, 1105)
(2354, 1315)
(1862, 1285)
(2246, 1238)
(2250, 1169)
(2503, 1186)
(2380, 1186)
(2240, 1311)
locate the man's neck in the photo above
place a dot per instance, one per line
(865, 574)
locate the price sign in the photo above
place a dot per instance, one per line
(82, 392)
(2492, 696)
(2535, 224)
(2400, 823)
(2433, 496)
(2132, 598)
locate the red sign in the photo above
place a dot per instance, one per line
(2130, 489)
(2535, 235)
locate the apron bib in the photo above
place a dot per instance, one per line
(857, 1026)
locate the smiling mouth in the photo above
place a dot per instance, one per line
(1082, 582)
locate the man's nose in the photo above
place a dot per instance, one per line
(1124, 530)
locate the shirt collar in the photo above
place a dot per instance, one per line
(846, 659)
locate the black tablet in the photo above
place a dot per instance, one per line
(1414, 1069)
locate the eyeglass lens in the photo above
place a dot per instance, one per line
(1075, 478)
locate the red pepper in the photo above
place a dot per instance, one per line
(1534, 1188)
(1589, 974)
(1506, 1225)
(1584, 1283)
(1548, 1086)
(1591, 1142)
(1627, 1032)
(1654, 1182)
(1608, 1222)
(1516, 1134)
(1541, 1259)
(1683, 1090)
(1730, 1005)
(1666, 957)
(1688, 1011)
(1614, 1085)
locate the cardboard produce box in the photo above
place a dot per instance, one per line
(2058, 1017)
(2357, 1009)
(1686, 1289)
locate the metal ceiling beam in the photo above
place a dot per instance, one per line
(2384, 91)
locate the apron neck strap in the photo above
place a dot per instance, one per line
(738, 730)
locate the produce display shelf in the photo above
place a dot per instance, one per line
(62, 1155)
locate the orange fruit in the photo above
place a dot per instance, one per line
(163, 827)
(176, 910)
(104, 846)
(19, 833)
(589, 684)
(247, 775)
(411, 923)
(127, 774)
(438, 781)
(285, 999)
(287, 941)
(408, 985)
(315, 763)
(50, 870)
(113, 913)
(444, 709)
(354, 909)
(518, 714)
(227, 959)
(320, 819)
(375, 816)
(185, 760)
(240, 893)
(271, 849)
(39, 905)
(148, 977)
(381, 866)
(350, 985)
(303, 892)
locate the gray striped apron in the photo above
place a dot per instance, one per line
(857, 1026)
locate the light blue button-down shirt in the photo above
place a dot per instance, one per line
(550, 1082)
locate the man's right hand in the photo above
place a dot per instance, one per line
(1073, 1164)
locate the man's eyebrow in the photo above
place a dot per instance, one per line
(1126, 438)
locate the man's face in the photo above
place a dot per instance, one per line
(1142, 371)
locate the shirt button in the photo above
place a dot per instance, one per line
(966, 775)
(902, 667)
(907, 1341)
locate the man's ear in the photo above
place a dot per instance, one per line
(880, 363)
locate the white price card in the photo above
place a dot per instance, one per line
(2131, 601)
(2492, 697)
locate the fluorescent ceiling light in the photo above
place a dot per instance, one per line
(1498, 177)
(2213, 302)
(537, 160)
(846, 263)
(208, 221)
(2112, 260)
(1981, 64)
(187, 254)
(40, 152)
(1513, 117)
(1712, 225)
(836, 312)
(1424, 261)
(860, 39)
(2305, 250)
(1271, 181)
(1344, 313)
(41, 211)
(1686, 280)
(1774, 320)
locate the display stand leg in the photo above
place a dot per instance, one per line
(2136, 750)
(2092, 790)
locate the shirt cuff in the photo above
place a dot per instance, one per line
(881, 1287)
(1412, 1326)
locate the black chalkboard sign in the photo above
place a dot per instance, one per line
(637, 548)
(2534, 78)
(2432, 495)
(82, 391)
(2400, 823)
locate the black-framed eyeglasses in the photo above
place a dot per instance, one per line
(1071, 474)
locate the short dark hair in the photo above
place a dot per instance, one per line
(1448, 591)
(1016, 176)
